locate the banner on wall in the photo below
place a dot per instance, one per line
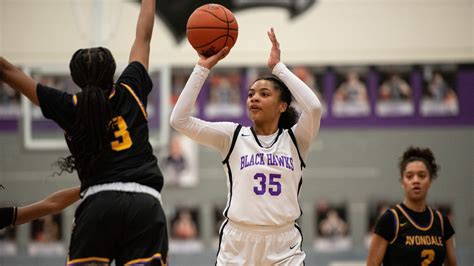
(440, 92)
(394, 92)
(185, 233)
(46, 236)
(331, 227)
(179, 163)
(352, 96)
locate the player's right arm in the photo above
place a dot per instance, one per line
(212, 134)
(18, 80)
(53, 203)
(384, 232)
(141, 46)
(377, 250)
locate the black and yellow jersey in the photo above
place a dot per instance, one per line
(130, 158)
(414, 238)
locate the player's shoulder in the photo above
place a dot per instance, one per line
(389, 213)
(244, 129)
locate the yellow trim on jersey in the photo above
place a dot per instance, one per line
(413, 222)
(442, 222)
(397, 223)
(74, 97)
(136, 98)
(113, 92)
(89, 259)
(155, 256)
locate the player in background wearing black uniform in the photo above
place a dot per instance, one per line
(411, 233)
(106, 129)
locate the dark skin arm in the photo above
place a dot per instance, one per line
(18, 80)
(450, 253)
(141, 46)
(377, 250)
(52, 204)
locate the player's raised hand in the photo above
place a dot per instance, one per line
(211, 61)
(274, 57)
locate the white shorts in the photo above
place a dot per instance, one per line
(260, 245)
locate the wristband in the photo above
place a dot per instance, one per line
(7, 216)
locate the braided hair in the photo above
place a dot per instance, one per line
(89, 138)
(290, 116)
(424, 155)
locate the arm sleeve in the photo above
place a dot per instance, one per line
(385, 226)
(8, 216)
(138, 78)
(308, 123)
(448, 228)
(216, 135)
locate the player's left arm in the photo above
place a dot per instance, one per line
(141, 46)
(18, 80)
(450, 253)
(308, 124)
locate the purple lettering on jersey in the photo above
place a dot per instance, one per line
(274, 160)
(281, 160)
(269, 159)
(261, 161)
(274, 185)
(289, 163)
(252, 160)
(257, 159)
(243, 162)
(261, 188)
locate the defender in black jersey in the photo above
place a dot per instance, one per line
(106, 129)
(411, 233)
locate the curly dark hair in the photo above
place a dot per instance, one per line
(290, 116)
(424, 155)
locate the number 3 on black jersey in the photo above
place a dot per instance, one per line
(429, 255)
(122, 136)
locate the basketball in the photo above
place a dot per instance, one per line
(210, 28)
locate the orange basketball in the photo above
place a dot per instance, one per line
(210, 28)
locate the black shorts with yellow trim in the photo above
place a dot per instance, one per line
(129, 228)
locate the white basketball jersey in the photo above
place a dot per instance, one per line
(263, 182)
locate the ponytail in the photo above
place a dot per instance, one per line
(288, 118)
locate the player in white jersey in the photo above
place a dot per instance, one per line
(263, 162)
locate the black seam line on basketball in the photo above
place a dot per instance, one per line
(226, 21)
(227, 35)
(204, 45)
(217, 28)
